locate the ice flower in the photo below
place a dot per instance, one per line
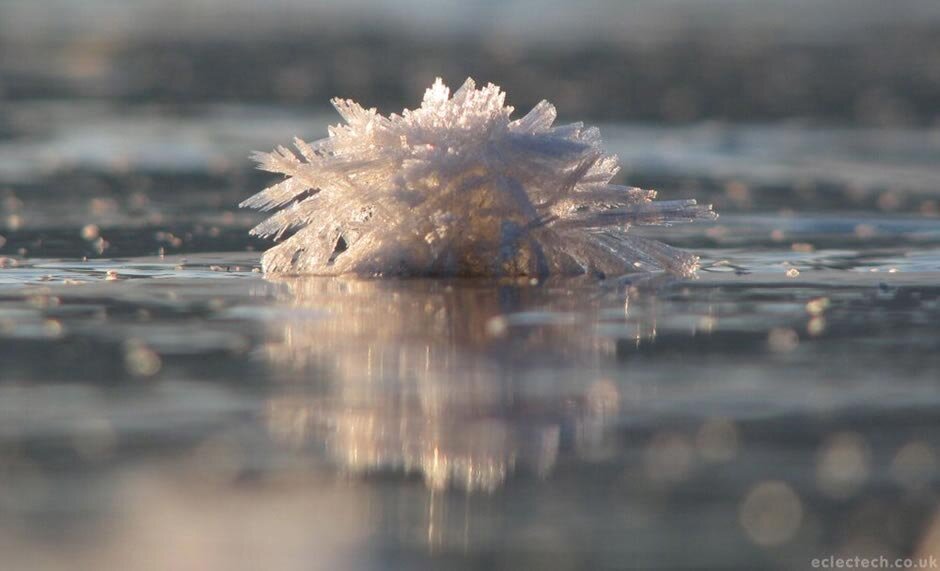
(458, 188)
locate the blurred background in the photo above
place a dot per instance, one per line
(837, 61)
(127, 107)
(164, 405)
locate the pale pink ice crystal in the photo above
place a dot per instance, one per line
(457, 188)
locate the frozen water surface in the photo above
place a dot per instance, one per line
(161, 409)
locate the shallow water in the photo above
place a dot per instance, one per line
(163, 405)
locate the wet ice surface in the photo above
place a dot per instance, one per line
(160, 410)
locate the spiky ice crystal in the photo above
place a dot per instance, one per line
(457, 188)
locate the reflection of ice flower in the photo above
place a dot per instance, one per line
(457, 188)
(406, 377)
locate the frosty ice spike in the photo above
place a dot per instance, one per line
(457, 188)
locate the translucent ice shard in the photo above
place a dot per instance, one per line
(458, 188)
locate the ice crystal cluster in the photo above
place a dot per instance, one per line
(458, 188)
